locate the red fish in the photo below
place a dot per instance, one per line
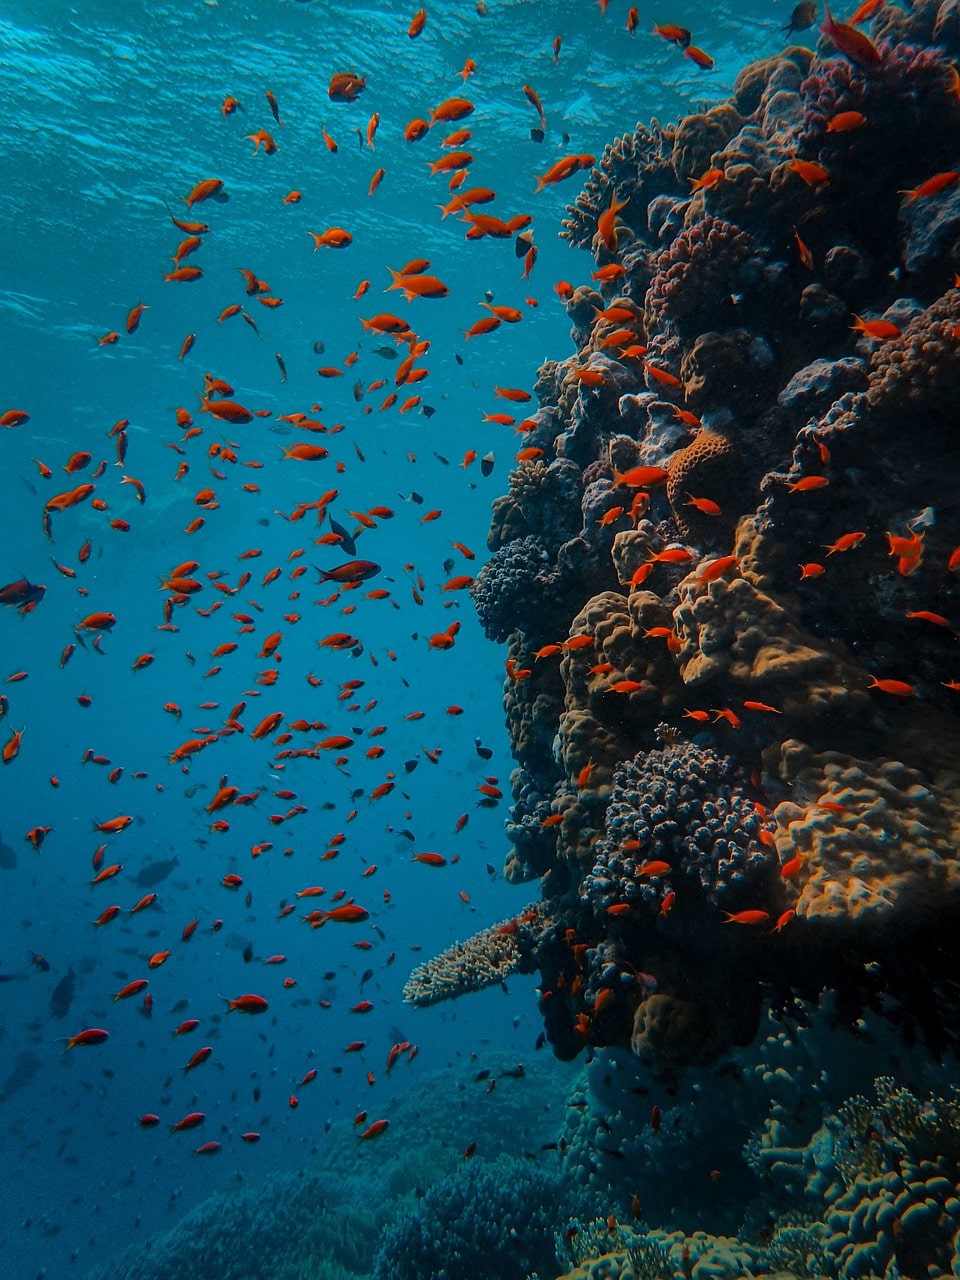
(246, 1004)
(853, 44)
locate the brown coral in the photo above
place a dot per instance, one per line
(670, 1032)
(734, 635)
(697, 137)
(888, 854)
(706, 468)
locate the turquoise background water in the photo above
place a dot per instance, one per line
(113, 113)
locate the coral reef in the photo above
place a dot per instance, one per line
(887, 1175)
(730, 577)
(494, 1219)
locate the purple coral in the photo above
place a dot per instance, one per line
(696, 276)
(689, 806)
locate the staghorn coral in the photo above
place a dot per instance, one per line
(485, 960)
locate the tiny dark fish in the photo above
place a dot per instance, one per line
(483, 752)
(482, 1075)
(8, 857)
(358, 391)
(804, 15)
(387, 353)
(410, 765)
(283, 368)
(366, 976)
(346, 538)
(486, 464)
(541, 1040)
(427, 410)
(513, 1073)
(536, 135)
(42, 963)
(491, 871)
(319, 348)
(25, 1067)
(63, 994)
(247, 953)
(155, 872)
(458, 357)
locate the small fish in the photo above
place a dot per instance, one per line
(803, 17)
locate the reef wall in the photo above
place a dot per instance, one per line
(727, 572)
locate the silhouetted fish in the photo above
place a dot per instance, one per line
(346, 539)
(63, 994)
(8, 857)
(155, 872)
(25, 1067)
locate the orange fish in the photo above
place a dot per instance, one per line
(11, 748)
(753, 918)
(845, 121)
(563, 169)
(332, 238)
(878, 329)
(934, 186)
(898, 688)
(813, 174)
(699, 57)
(246, 1004)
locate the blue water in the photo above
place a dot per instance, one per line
(112, 113)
